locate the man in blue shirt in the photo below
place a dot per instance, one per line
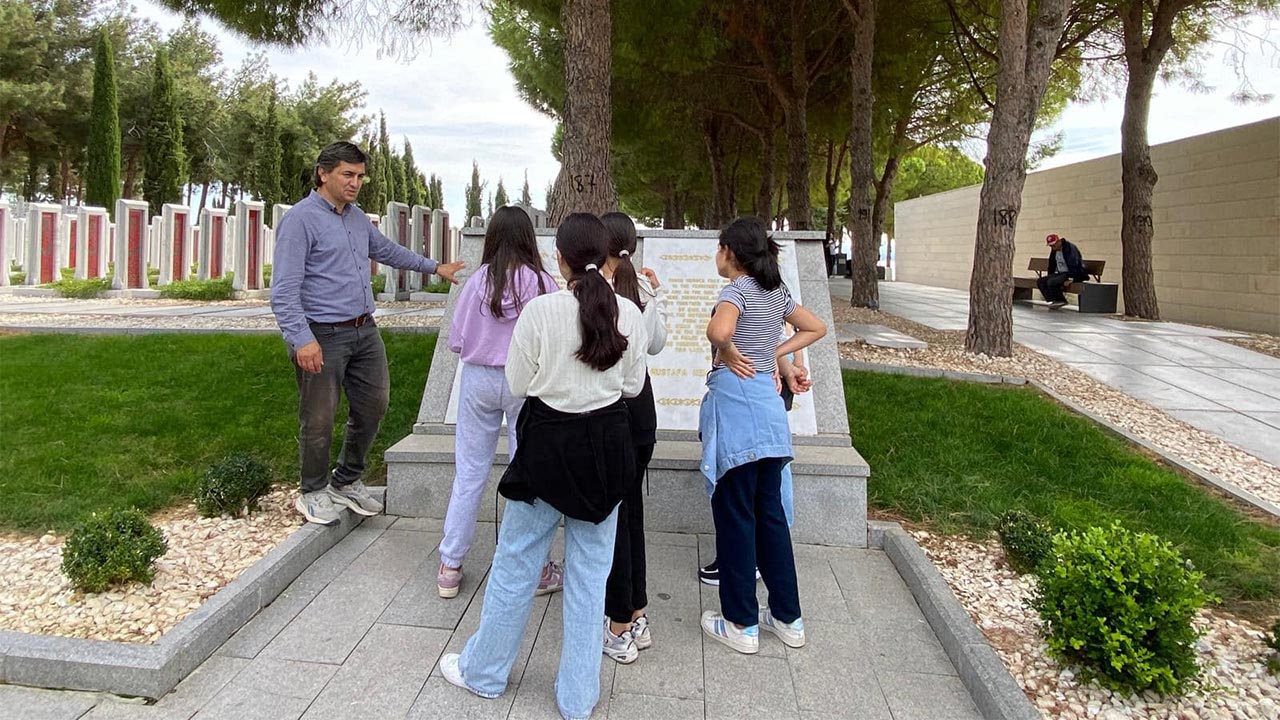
(1066, 265)
(322, 297)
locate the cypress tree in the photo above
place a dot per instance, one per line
(373, 195)
(417, 189)
(164, 162)
(102, 181)
(268, 153)
(474, 193)
(525, 197)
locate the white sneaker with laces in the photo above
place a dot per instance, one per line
(745, 640)
(317, 507)
(640, 632)
(621, 648)
(791, 634)
(355, 496)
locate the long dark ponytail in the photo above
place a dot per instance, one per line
(753, 249)
(509, 243)
(622, 245)
(583, 240)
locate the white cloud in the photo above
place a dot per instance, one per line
(455, 102)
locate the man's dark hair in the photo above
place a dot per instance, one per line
(339, 152)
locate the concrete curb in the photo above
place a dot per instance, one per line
(150, 671)
(984, 675)
(1196, 471)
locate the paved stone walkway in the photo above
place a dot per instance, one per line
(1184, 370)
(358, 636)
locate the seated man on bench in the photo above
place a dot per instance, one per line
(1066, 264)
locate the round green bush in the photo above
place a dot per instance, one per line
(1027, 541)
(232, 486)
(112, 548)
(1120, 604)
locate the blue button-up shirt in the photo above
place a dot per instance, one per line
(320, 272)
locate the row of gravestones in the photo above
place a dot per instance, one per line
(46, 240)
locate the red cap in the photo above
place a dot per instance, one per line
(1050, 239)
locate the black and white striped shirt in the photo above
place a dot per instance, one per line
(760, 315)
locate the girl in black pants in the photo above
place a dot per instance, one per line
(626, 631)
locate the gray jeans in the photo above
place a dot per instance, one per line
(355, 361)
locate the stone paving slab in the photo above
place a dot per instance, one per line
(332, 650)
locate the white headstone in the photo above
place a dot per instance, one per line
(248, 246)
(132, 239)
(211, 264)
(175, 243)
(420, 232)
(44, 243)
(6, 238)
(395, 225)
(91, 242)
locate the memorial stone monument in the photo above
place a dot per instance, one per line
(829, 474)
(131, 243)
(44, 243)
(91, 243)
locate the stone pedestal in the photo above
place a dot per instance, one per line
(45, 240)
(211, 264)
(829, 474)
(91, 243)
(395, 225)
(247, 248)
(175, 243)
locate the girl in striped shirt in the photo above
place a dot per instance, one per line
(746, 441)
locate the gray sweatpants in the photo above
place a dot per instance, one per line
(483, 400)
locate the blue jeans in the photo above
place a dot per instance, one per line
(523, 543)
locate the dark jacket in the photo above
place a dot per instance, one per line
(581, 464)
(1075, 262)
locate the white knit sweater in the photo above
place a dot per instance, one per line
(541, 360)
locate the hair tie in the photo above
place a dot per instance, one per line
(624, 253)
(590, 267)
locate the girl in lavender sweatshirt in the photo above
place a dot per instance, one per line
(484, 316)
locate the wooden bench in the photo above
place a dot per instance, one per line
(1092, 296)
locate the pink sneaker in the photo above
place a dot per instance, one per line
(448, 580)
(552, 578)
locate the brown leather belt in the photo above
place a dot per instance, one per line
(355, 321)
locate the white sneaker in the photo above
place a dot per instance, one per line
(640, 632)
(355, 496)
(451, 672)
(791, 635)
(745, 640)
(317, 507)
(621, 648)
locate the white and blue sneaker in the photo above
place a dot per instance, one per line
(791, 634)
(317, 507)
(745, 640)
(355, 496)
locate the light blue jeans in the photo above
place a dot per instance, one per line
(523, 542)
(484, 399)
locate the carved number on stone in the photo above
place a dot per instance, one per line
(1005, 217)
(580, 185)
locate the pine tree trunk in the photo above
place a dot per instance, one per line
(865, 250)
(768, 160)
(585, 182)
(204, 193)
(130, 176)
(718, 214)
(673, 211)
(1025, 59)
(799, 212)
(884, 191)
(1137, 175)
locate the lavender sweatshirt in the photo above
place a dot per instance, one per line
(476, 334)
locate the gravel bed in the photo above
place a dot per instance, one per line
(946, 351)
(1257, 342)
(1236, 683)
(205, 554)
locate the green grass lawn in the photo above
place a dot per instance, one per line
(955, 455)
(90, 422)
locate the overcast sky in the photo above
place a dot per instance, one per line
(457, 102)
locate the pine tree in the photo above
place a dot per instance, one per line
(267, 157)
(164, 163)
(500, 198)
(373, 195)
(417, 189)
(102, 182)
(525, 197)
(474, 193)
(435, 188)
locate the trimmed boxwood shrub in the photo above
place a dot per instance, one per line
(232, 486)
(112, 548)
(219, 289)
(1027, 541)
(1119, 604)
